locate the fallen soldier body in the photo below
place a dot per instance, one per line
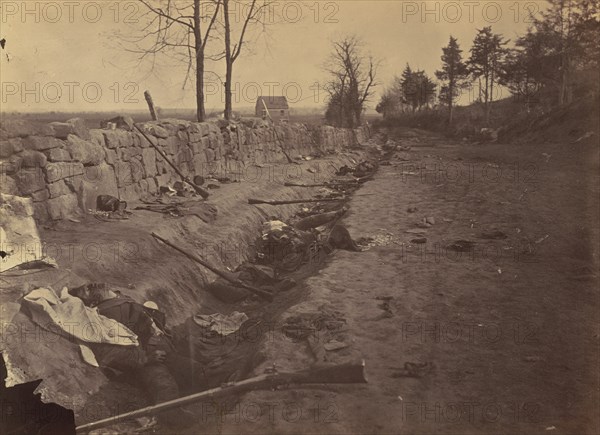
(155, 364)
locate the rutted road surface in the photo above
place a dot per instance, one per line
(500, 338)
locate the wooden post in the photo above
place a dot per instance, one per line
(150, 105)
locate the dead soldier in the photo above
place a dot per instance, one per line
(154, 364)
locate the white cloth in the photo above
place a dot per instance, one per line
(67, 315)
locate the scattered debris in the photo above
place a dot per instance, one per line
(412, 209)
(493, 235)
(461, 246)
(585, 136)
(382, 239)
(412, 370)
(416, 231)
(333, 345)
(419, 240)
(220, 323)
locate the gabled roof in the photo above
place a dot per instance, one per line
(274, 102)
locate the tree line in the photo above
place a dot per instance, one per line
(556, 60)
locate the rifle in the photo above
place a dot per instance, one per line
(236, 282)
(333, 374)
(202, 192)
(293, 201)
(290, 184)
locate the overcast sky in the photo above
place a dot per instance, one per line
(65, 49)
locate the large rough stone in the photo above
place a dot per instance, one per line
(10, 128)
(33, 159)
(123, 174)
(158, 131)
(58, 170)
(183, 136)
(98, 180)
(111, 138)
(125, 138)
(57, 189)
(213, 128)
(6, 148)
(137, 170)
(97, 137)
(205, 142)
(8, 185)
(83, 151)
(58, 155)
(40, 195)
(197, 147)
(128, 153)
(79, 128)
(40, 143)
(210, 155)
(63, 206)
(40, 211)
(198, 163)
(62, 129)
(123, 122)
(172, 145)
(111, 156)
(74, 183)
(30, 180)
(152, 186)
(11, 165)
(144, 142)
(129, 193)
(149, 160)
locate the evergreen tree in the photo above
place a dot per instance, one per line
(454, 74)
(486, 62)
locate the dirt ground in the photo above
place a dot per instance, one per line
(500, 339)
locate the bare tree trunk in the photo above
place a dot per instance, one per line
(200, 110)
(228, 103)
(228, 61)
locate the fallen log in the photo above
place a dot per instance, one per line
(324, 374)
(198, 189)
(292, 201)
(236, 282)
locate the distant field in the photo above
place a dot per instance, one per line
(93, 119)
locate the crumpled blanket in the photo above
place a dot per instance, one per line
(67, 315)
(220, 323)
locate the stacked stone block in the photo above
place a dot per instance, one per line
(64, 166)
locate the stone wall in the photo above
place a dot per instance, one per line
(63, 166)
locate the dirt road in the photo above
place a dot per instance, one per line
(500, 338)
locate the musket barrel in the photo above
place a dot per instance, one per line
(338, 374)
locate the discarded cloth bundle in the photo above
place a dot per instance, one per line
(69, 316)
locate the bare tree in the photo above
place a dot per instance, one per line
(179, 30)
(248, 14)
(352, 81)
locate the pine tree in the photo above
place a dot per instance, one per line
(486, 61)
(454, 73)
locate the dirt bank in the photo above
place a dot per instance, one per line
(122, 253)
